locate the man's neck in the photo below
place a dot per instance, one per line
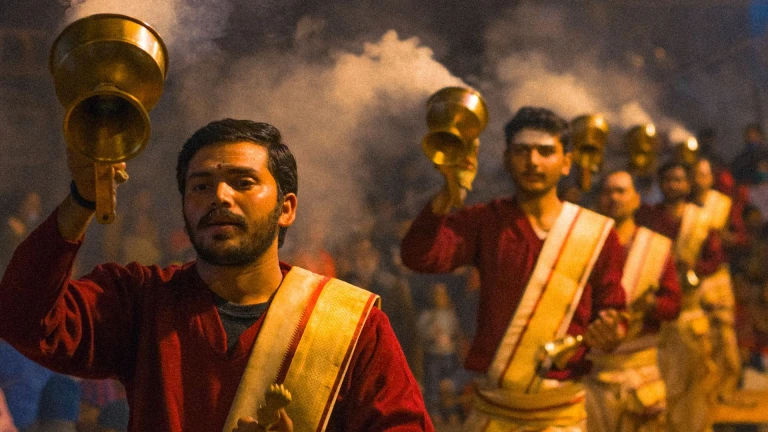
(625, 229)
(542, 210)
(251, 284)
(699, 195)
(675, 208)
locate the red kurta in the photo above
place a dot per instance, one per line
(659, 220)
(499, 240)
(158, 331)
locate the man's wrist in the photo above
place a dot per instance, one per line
(79, 199)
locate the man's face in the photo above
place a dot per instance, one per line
(675, 185)
(231, 208)
(702, 176)
(618, 197)
(536, 161)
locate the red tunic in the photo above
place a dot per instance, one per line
(659, 220)
(158, 332)
(499, 240)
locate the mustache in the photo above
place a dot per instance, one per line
(221, 216)
(533, 173)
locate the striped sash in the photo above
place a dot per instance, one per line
(694, 230)
(645, 263)
(551, 296)
(306, 342)
(718, 206)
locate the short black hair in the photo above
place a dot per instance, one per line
(539, 119)
(281, 163)
(669, 166)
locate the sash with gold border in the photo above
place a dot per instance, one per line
(718, 206)
(694, 230)
(551, 296)
(306, 343)
(645, 263)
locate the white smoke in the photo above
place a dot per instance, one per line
(188, 28)
(337, 116)
(545, 59)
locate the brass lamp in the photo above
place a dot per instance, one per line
(455, 117)
(642, 143)
(589, 134)
(108, 71)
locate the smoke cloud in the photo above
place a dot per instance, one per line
(189, 29)
(341, 114)
(550, 56)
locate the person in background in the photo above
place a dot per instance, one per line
(516, 243)
(113, 417)
(59, 406)
(25, 217)
(625, 392)
(685, 348)
(744, 166)
(440, 334)
(6, 421)
(22, 381)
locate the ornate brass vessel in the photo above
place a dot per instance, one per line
(108, 71)
(589, 134)
(642, 143)
(455, 117)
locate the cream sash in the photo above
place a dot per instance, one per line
(645, 263)
(551, 296)
(694, 230)
(718, 206)
(305, 342)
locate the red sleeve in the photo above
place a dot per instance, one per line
(711, 257)
(605, 280)
(441, 244)
(604, 291)
(74, 327)
(379, 392)
(668, 297)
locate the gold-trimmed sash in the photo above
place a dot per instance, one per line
(313, 362)
(503, 410)
(645, 263)
(694, 230)
(551, 296)
(718, 207)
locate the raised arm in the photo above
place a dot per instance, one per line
(75, 327)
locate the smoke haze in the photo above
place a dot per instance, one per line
(346, 83)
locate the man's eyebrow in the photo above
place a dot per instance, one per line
(228, 169)
(521, 144)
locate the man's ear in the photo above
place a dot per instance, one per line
(567, 163)
(288, 215)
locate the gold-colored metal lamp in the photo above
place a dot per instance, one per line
(455, 117)
(589, 134)
(108, 71)
(687, 152)
(642, 143)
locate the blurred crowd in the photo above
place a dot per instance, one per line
(432, 316)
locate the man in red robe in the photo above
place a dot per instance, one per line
(685, 349)
(625, 391)
(504, 240)
(179, 338)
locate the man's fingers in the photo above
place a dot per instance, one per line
(284, 424)
(248, 424)
(121, 176)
